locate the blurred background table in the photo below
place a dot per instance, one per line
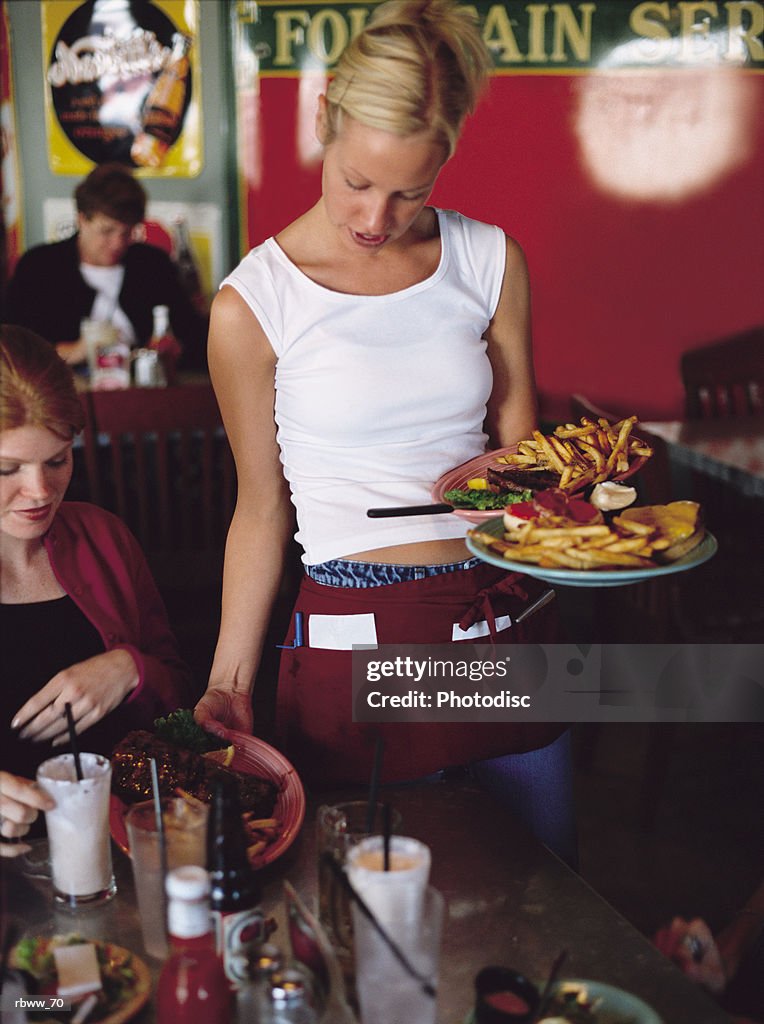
(729, 449)
(510, 901)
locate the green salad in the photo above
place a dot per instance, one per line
(484, 500)
(180, 728)
(118, 975)
(574, 1007)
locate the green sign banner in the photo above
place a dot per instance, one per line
(287, 39)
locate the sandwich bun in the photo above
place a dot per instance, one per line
(679, 526)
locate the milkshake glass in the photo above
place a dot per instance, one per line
(78, 829)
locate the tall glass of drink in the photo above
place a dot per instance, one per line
(185, 832)
(78, 828)
(388, 992)
(340, 827)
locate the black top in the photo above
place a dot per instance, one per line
(36, 641)
(49, 295)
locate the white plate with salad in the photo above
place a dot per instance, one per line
(125, 978)
(579, 1001)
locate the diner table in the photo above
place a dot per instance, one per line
(510, 901)
(729, 449)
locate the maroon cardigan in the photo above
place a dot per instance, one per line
(102, 568)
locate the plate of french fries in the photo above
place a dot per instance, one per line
(267, 837)
(578, 455)
(583, 454)
(608, 554)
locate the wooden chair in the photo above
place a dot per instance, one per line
(160, 460)
(632, 614)
(725, 378)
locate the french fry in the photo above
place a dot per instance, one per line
(595, 454)
(551, 455)
(633, 526)
(566, 477)
(582, 454)
(593, 530)
(561, 450)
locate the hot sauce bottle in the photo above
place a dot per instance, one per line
(164, 343)
(235, 894)
(192, 987)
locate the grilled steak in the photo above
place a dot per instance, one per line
(176, 767)
(519, 479)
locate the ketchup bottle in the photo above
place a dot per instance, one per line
(165, 343)
(192, 987)
(235, 895)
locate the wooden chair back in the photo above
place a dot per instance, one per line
(725, 378)
(159, 459)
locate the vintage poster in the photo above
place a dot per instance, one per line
(122, 83)
(620, 142)
(10, 177)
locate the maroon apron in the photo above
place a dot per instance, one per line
(314, 702)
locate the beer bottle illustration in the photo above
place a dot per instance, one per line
(188, 272)
(163, 109)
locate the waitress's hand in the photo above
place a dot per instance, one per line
(73, 352)
(221, 710)
(93, 688)
(20, 802)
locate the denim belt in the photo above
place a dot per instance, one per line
(340, 572)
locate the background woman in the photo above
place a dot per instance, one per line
(80, 616)
(373, 344)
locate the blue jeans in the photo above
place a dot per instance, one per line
(342, 572)
(537, 787)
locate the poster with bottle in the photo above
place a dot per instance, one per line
(122, 83)
(10, 171)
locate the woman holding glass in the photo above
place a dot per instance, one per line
(81, 619)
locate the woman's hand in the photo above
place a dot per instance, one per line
(73, 352)
(691, 946)
(20, 802)
(93, 688)
(221, 710)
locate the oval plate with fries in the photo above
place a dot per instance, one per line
(586, 577)
(252, 756)
(581, 455)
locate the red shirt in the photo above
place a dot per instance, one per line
(102, 568)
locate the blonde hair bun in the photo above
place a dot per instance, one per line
(417, 66)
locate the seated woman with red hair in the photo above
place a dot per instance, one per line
(81, 619)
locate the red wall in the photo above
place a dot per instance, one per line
(621, 286)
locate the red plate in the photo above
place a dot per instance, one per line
(253, 757)
(458, 477)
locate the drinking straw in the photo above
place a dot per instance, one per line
(547, 992)
(337, 870)
(387, 829)
(73, 741)
(159, 823)
(376, 771)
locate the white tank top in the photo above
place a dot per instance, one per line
(377, 395)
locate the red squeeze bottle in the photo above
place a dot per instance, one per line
(166, 344)
(192, 987)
